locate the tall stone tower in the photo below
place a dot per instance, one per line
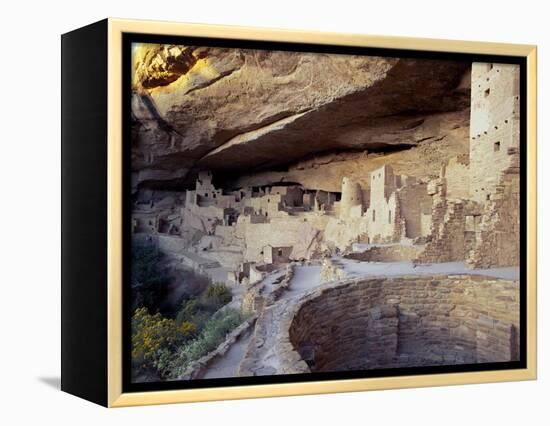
(494, 126)
(204, 181)
(382, 184)
(351, 204)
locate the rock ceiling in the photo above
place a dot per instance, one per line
(247, 111)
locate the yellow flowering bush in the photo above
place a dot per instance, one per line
(151, 334)
(188, 330)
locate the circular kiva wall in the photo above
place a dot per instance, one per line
(408, 321)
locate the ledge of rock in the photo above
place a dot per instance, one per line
(229, 109)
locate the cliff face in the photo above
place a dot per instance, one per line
(288, 116)
(445, 135)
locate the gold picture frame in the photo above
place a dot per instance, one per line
(115, 395)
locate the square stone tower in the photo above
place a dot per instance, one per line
(383, 214)
(494, 125)
(382, 184)
(204, 182)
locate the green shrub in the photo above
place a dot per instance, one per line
(188, 330)
(215, 296)
(188, 311)
(155, 340)
(151, 336)
(212, 335)
(164, 344)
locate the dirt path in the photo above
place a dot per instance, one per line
(227, 365)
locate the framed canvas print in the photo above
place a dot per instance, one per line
(251, 212)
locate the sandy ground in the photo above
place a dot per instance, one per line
(358, 268)
(304, 279)
(226, 365)
(269, 281)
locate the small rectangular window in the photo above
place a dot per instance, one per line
(496, 146)
(374, 215)
(389, 216)
(487, 92)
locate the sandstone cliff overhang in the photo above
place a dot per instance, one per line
(250, 110)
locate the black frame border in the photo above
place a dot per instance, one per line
(129, 38)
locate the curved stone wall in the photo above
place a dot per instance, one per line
(352, 196)
(407, 321)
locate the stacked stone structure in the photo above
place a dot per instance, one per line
(482, 228)
(351, 204)
(407, 321)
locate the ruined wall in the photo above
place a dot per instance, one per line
(494, 125)
(453, 225)
(416, 209)
(201, 218)
(497, 237)
(448, 233)
(408, 321)
(291, 196)
(301, 234)
(255, 276)
(385, 223)
(144, 223)
(457, 174)
(390, 253)
(267, 205)
(326, 202)
(342, 234)
(276, 255)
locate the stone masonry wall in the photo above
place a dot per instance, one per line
(407, 321)
(343, 233)
(445, 240)
(415, 204)
(302, 235)
(494, 125)
(352, 199)
(497, 243)
(457, 174)
(390, 253)
(483, 227)
(385, 223)
(494, 132)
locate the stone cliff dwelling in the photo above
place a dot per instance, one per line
(352, 171)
